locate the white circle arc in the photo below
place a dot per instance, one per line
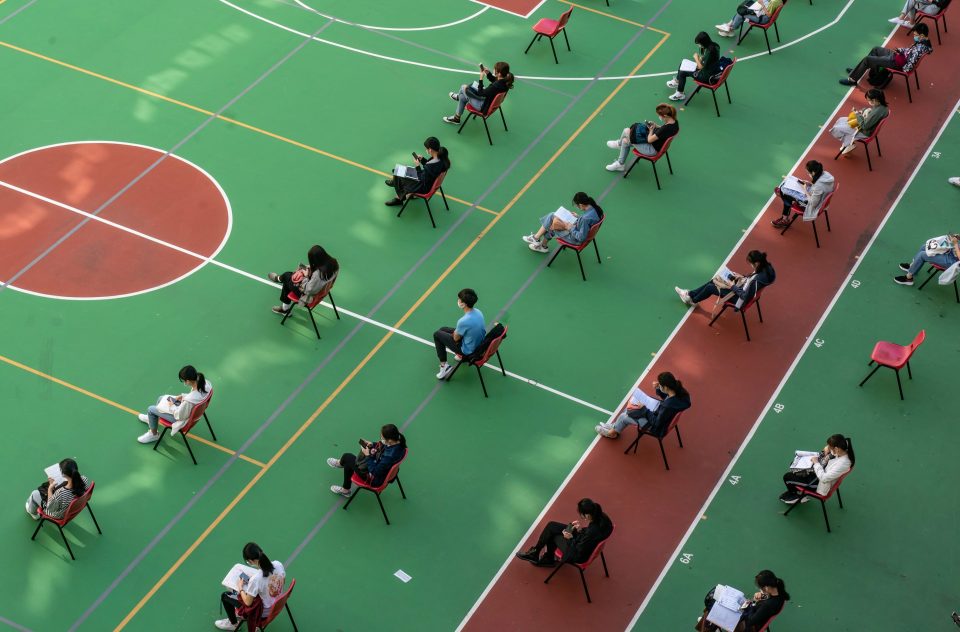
(393, 28)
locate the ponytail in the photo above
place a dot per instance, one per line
(503, 68)
(759, 258)
(582, 198)
(253, 552)
(68, 467)
(433, 143)
(844, 443)
(815, 168)
(766, 579)
(190, 373)
(667, 379)
(587, 507)
(391, 432)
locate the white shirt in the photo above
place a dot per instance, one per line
(836, 468)
(194, 397)
(267, 588)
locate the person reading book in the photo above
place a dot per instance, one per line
(575, 540)
(176, 408)
(64, 484)
(653, 414)
(904, 58)
(943, 251)
(859, 124)
(703, 66)
(810, 194)
(728, 284)
(758, 12)
(819, 470)
(253, 589)
(565, 224)
(478, 96)
(751, 615)
(646, 137)
(427, 169)
(307, 280)
(373, 462)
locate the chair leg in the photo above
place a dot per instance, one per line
(604, 561)
(666, 155)
(636, 443)
(741, 34)
(877, 140)
(430, 213)
(583, 580)
(352, 496)
(679, 440)
(815, 236)
(793, 218)
(504, 119)
(580, 261)
(956, 292)
(823, 506)
(866, 148)
(156, 444)
(692, 94)
(776, 29)
(465, 120)
(899, 385)
(826, 216)
(283, 320)
(716, 107)
(746, 329)
(787, 512)
(535, 37)
(558, 251)
(382, 510)
(454, 370)
(37, 530)
(500, 360)
(209, 427)
(403, 494)
(444, 198)
(909, 95)
(916, 78)
(869, 375)
(566, 39)
(597, 250)
(726, 86)
(292, 622)
(482, 384)
(95, 523)
(627, 172)
(66, 542)
(189, 449)
(554, 50)
(334, 304)
(933, 272)
(653, 163)
(403, 206)
(550, 576)
(663, 453)
(314, 322)
(759, 313)
(767, 40)
(717, 315)
(909, 373)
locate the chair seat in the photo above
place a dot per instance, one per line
(812, 494)
(546, 27)
(361, 482)
(475, 111)
(578, 247)
(890, 354)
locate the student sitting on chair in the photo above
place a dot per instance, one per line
(860, 124)
(825, 468)
(646, 137)
(900, 58)
(465, 337)
(704, 65)
(908, 16)
(480, 97)
(576, 540)
(307, 280)
(374, 461)
(743, 288)
(176, 408)
(811, 197)
(651, 413)
(427, 171)
(566, 225)
(254, 596)
(757, 612)
(943, 251)
(750, 12)
(55, 497)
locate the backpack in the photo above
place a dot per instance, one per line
(495, 332)
(879, 78)
(722, 64)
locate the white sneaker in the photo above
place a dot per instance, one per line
(336, 489)
(848, 148)
(447, 369)
(907, 24)
(722, 27)
(605, 431)
(148, 437)
(677, 96)
(673, 83)
(530, 239)
(143, 418)
(895, 20)
(30, 513)
(332, 462)
(613, 144)
(684, 295)
(954, 181)
(616, 165)
(177, 425)
(538, 247)
(725, 33)
(224, 624)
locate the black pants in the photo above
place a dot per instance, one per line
(806, 478)
(349, 463)
(879, 57)
(230, 601)
(287, 286)
(552, 539)
(403, 186)
(707, 290)
(443, 340)
(682, 78)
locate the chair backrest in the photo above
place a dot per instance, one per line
(391, 475)
(876, 130)
(197, 413)
(665, 148)
(278, 606)
(773, 18)
(562, 22)
(322, 294)
(826, 199)
(766, 626)
(753, 299)
(597, 550)
(76, 506)
(723, 76)
(673, 422)
(495, 103)
(918, 340)
(490, 345)
(437, 183)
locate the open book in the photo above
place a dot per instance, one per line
(725, 277)
(726, 610)
(402, 171)
(803, 460)
(564, 215)
(236, 573)
(688, 66)
(54, 472)
(757, 7)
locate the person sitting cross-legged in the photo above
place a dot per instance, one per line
(576, 540)
(943, 251)
(652, 414)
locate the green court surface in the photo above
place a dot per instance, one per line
(303, 144)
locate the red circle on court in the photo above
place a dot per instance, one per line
(136, 221)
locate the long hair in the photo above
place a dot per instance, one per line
(703, 40)
(190, 373)
(68, 467)
(583, 198)
(254, 553)
(759, 258)
(843, 443)
(877, 94)
(815, 169)
(321, 260)
(666, 379)
(391, 432)
(587, 507)
(665, 109)
(442, 154)
(769, 580)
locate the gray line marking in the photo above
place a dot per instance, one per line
(10, 17)
(8, 622)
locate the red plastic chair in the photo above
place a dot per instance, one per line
(392, 475)
(936, 17)
(712, 87)
(894, 356)
(495, 106)
(874, 137)
(279, 606)
(766, 626)
(906, 76)
(797, 211)
(582, 566)
(76, 506)
(437, 186)
(200, 410)
(731, 302)
(765, 27)
(489, 347)
(578, 248)
(550, 29)
(294, 299)
(934, 268)
(673, 425)
(664, 151)
(823, 498)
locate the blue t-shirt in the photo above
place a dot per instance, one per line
(471, 327)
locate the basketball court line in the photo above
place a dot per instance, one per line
(125, 409)
(393, 28)
(4, 620)
(17, 11)
(225, 119)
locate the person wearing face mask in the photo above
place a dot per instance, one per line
(834, 461)
(758, 611)
(653, 414)
(374, 461)
(428, 169)
(900, 58)
(576, 541)
(812, 196)
(742, 287)
(860, 124)
(646, 137)
(465, 337)
(573, 232)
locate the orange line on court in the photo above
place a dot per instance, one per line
(614, 17)
(343, 384)
(126, 409)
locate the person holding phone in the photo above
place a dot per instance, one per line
(646, 137)
(859, 124)
(479, 96)
(706, 61)
(254, 596)
(54, 498)
(575, 540)
(374, 461)
(307, 280)
(743, 287)
(943, 251)
(574, 232)
(652, 413)
(176, 408)
(757, 611)
(834, 461)
(811, 198)
(428, 168)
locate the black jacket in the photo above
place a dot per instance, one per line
(584, 541)
(660, 419)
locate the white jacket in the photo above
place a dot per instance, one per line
(827, 476)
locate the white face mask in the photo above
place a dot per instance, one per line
(459, 304)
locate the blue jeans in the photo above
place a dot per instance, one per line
(945, 260)
(753, 17)
(464, 99)
(625, 420)
(153, 414)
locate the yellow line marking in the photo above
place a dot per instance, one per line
(613, 17)
(233, 503)
(110, 402)
(226, 119)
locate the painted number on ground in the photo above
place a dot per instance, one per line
(818, 342)
(778, 408)
(734, 480)
(686, 558)
(854, 284)
(936, 154)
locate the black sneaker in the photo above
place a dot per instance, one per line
(849, 70)
(530, 555)
(546, 562)
(394, 202)
(790, 499)
(905, 267)
(388, 182)
(847, 81)
(903, 280)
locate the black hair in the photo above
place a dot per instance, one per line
(391, 432)
(587, 507)
(845, 444)
(877, 95)
(468, 296)
(703, 40)
(666, 379)
(920, 29)
(768, 579)
(321, 260)
(582, 198)
(190, 373)
(815, 168)
(433, 143)
(503, 68)
(68, 467)
(252, 552)
(759, 258)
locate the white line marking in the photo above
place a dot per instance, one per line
(509, 12)
(212, 261)
(389, 28)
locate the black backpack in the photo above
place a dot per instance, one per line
(879, 77)
(722, 64)
(495, 332)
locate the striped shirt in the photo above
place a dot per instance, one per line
(56, 505)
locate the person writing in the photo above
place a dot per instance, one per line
(478, 96)
(860, 123)
(428, 169)
(254, 596)
(307, 280)
(811, 196)
(943, 251)
(646, 137)
(704, 65)
(465, 337)
(176, 408)
(576, 541)
(573, 230)
(53, 497)
(757, 612)
(744, 288)
(835, 460)
(650, 413)
(900, 58)
(374, 461)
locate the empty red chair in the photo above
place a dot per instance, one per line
(482, 354)
(550, 29)
(906, 74)
(200, 410)
(765, 27)
(934, 268)
(578, 248)
(797, 211)
(294, 299)
(437, 186)
(76, 506)
(582, 566)
(937, 18)
(732, 302)
(805, 492)
(279, 606)
(712, 87)
(664, 151)
(392, 475)
(894, 356)
(495, 106)
(673, 425)
(874, 137)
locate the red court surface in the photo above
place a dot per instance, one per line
(175, 203)
(730, 381)
(522, 8)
